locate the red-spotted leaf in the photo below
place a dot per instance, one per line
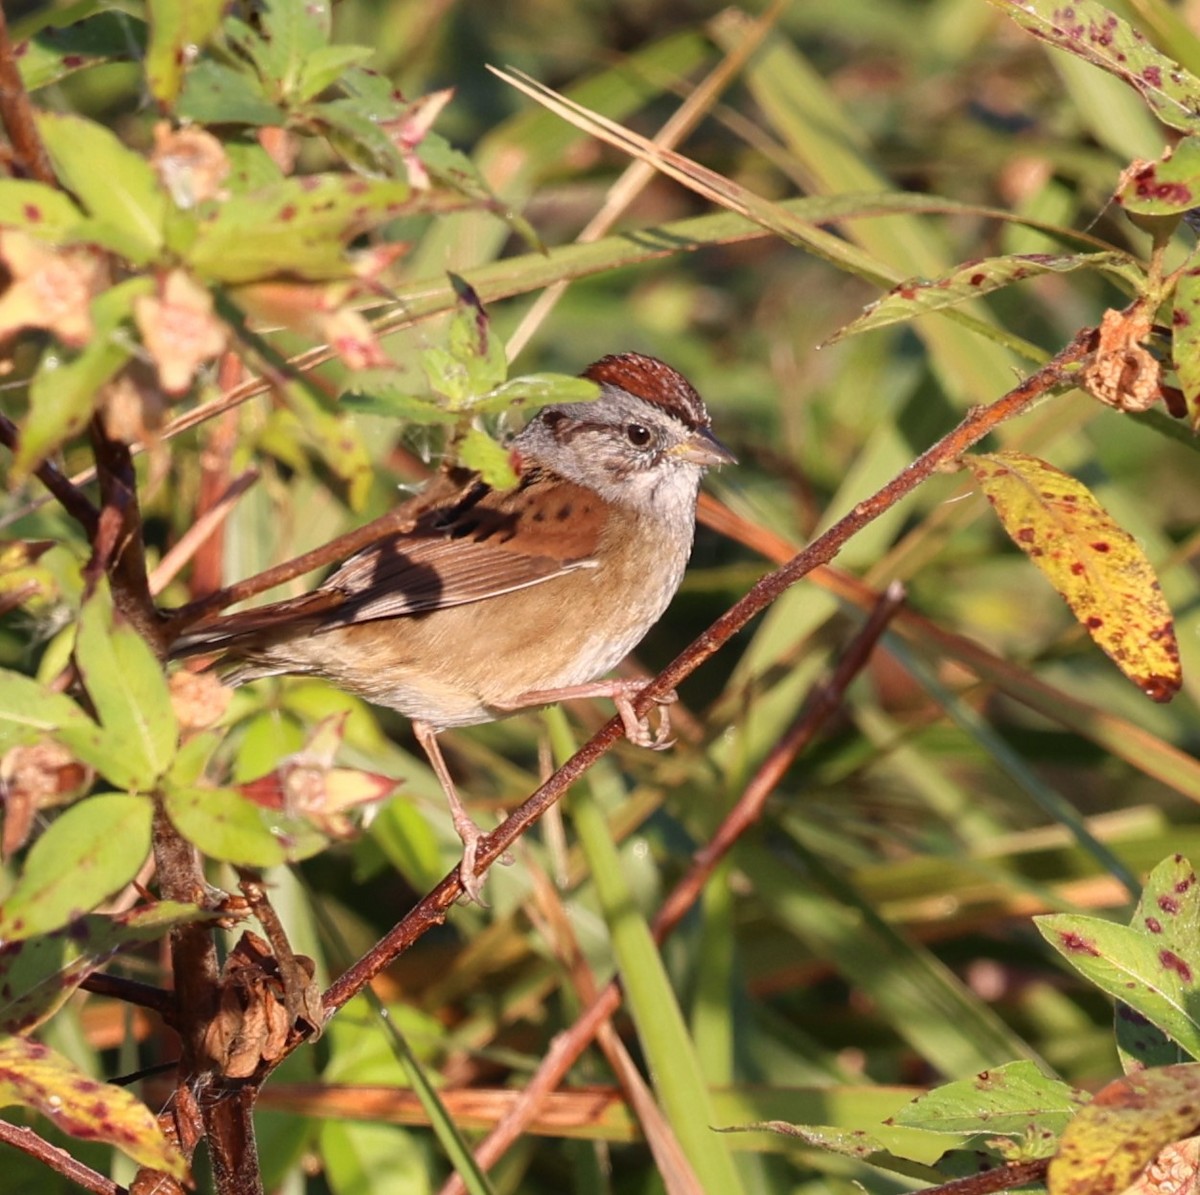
(1096, 565)
(87, 855)
(1006, 1101)
(919, 296)
(65, 44)
(1185, 341)
(297, 228)
(1157, 980)
(37, 209)
(1121, 1131)
(1090, 31)
(1169, 915)
(1167, 187)
(34, 1076)
(38, 976)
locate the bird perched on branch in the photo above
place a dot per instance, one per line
(496, 601)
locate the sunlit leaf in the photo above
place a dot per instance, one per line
(492, 461)
(974, 278)
(116, 185)
(214, 93)
(1098, 567)
(224, 825)
(126, 684)
(1167, 187)
(34, 1076)
(1092, 32)
(176, 32)
(1126, 1124)
(37, 209)
(297, 228)
(1159, 983)
(73, 867)
(1168, 914)
(1005, 1100)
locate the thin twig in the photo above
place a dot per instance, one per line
(431, 910)
(131, 991)
(567, 1047)
(69, 496)
(58, 1160)
(29, 154)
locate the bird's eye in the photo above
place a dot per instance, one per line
(639, 436)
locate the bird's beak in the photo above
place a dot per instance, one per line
(704, 449)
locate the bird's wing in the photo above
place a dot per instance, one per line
(476, 544)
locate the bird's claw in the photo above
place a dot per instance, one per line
(637, 727)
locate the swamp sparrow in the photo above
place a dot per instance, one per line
(498, 601)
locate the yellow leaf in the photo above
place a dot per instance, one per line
(1121, 1131)
(1096, 565)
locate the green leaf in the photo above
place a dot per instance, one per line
(1131, 966)
(114, 184)
(1185, 340)
(492, 461)
(59, 50)
(37, 209)
(176, 32)
(535, 390)
(1169, 915)
(325, 66)
(64, 390)
(37, 976)
(1106, 1146)
(89, 853)
(127, 687)
(34, 1076)
(291, 33)
(1092, 32)
(384, 392)
(217, 94)
(1004, 1100)
(919, 296)
(223, 824)
(298, 227)
(28, 710)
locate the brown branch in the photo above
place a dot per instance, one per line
(119, 550)
(823, 702)
(69, 496)
(27, 1141)
(988, 1182)
(131, 991)
(431, 910)
(29, 154)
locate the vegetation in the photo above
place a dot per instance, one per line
(871, 922)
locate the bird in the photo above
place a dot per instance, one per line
(492, 601)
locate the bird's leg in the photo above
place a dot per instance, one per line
(466, 829)
(622, 693)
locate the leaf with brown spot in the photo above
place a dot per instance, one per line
(1168, 914)
(1156, 976)
(1122, 373)
(1097, 566)
(1121, 1131)
(34, 1076)
(1167, 187)
(38, 976)
(1185, 341)
(919, 296)
(1090, 31)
